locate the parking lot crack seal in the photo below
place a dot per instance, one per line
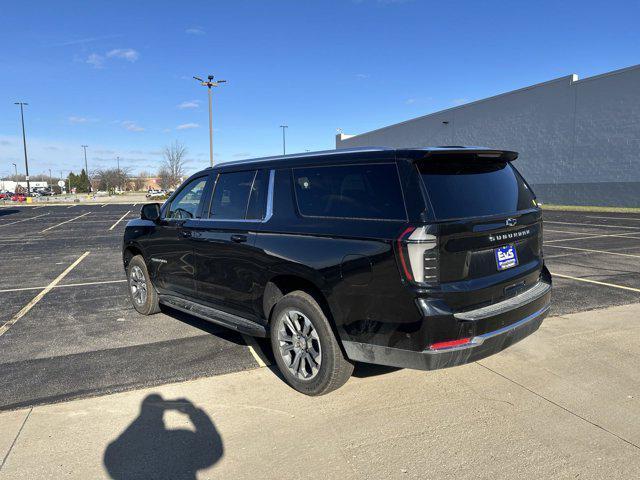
(561, 407)
(4, 460)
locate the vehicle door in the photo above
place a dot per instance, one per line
(170, 247)
(227, 275)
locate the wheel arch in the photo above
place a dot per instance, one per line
(279, 285)
(130, 251)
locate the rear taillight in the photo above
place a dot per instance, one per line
(418, 255)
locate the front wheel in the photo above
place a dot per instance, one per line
(305, 348)
(143, 295)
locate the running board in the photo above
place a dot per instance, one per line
(209, 314)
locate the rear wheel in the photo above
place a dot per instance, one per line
(143, 295)
(304, 346)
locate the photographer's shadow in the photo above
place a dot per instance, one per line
(147, 449)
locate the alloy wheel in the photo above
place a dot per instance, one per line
(299, 345)
(138, 285)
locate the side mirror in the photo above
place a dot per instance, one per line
(150, 211)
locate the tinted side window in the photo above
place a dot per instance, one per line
(185, 204)
(231, 195)
(258, 197)
(369, 191)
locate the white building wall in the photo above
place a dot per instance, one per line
(9, 185)
(579, 140)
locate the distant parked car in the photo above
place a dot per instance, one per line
(5, 195)
(156, 194)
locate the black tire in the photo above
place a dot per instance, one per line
(149, 304)
(333, 369)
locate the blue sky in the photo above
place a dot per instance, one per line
(116, 75)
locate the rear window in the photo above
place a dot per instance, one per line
(369, 191)
(471, 188)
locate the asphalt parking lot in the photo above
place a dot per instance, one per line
(67, 329)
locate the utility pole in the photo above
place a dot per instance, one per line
(50, 180)
(210, 83)
(284, 142)
(118, 160)
(24, 142)
(16, 168)
(86, 169)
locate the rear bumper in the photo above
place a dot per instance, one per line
(479, 347)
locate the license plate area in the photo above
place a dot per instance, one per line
(506, 257)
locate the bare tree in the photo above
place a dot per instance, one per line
(112, 178)
(164, 179)
(173, 164)
(140, 181)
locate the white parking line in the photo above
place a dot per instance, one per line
(23, 220)
(615, 218)
(622, 287)
(621, 235)
(593, 225)
(119, 220)
(70, 206)
(66, 221)
(84, 284)
(103, 205)
(9, 323)
(255, 350)
(595, 251)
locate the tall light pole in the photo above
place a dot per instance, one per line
(50, 180)
(16, 169)
(24, 142)
(210, 83)
(118, 160)
(284, 142)
(86, 169)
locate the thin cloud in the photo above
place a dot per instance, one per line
(132, 126)
(363, 75)
(95, 60)
(79, 120)
(459, 101)
(417, 100)
(128, 54)
(83, 41)
(241, 155)
(189, 104)
(195, 31)
(187, 126)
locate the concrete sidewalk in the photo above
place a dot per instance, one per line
(564, 403)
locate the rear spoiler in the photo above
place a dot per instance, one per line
(476, 154)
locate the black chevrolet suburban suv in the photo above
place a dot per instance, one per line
(422, 258)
